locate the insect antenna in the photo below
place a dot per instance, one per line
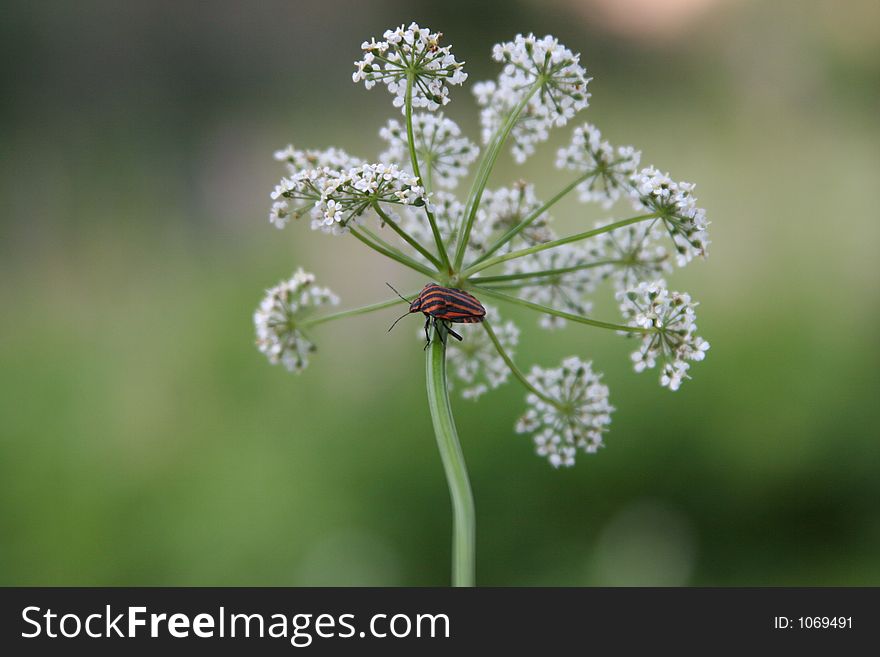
(397, 293)
(397, 320)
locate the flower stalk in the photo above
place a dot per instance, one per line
(463, 516)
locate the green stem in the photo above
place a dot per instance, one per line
(363, 310)
(414, 160)
(491, 262)
(487, 163)
(522, 225)
(561, 313)
(393, 254)
(544, 272)
(406, 237)
(512, 366)
(463, 517)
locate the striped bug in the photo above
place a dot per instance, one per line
(445, 305)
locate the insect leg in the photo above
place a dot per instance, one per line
(452, 333)
(427, 335)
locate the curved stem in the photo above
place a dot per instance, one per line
(522, 225)
(487, 163)
(393, 254)
(463, 517)
(473, 269)
(512, 366)
(561, 313)
(414, 160)
(406, 237)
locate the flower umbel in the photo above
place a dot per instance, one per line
(279, 319)
(674, 340)
(577, 420)
(608, 171)
(677, 207)
(545, 75)
(415, 52)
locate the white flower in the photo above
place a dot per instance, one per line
(298, 160)
(673, 339)
(574, 414)
(611, 169)
(529, 61)
(634, 254)
(413, 50)
(677, 207)
(475, 362)
(565, 291)
(439, 147)
(277, 320)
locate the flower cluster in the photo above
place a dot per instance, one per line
(572, 412)
(298, 160)
(608, 170)
(673, 339)
(475, 362)
(410, 53)
(278, 320)
(677, 207)
(335, 198)
(543, 75)
(445, 154)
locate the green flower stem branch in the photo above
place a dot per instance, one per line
(545, 273)
(513, 368)
(561, 313)
(487, 163)
(522, 225)
(392, 253)
(363, 310)
(414, 159)
(414, 243)
(463, 516)
(491, 262)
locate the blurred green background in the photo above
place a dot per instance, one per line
(145, 441)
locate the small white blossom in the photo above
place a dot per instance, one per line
(673, 339)
(475, 362)
(277, 320)
(439, 147)
(611, 169)
(634, 253)
(675, 203)
(298, 195)
(565, 291)
(413, 50)
(298, 160)
(528, 61)
(577, 416)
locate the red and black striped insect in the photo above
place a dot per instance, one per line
(445, 305)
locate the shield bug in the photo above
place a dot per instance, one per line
(445, 305)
